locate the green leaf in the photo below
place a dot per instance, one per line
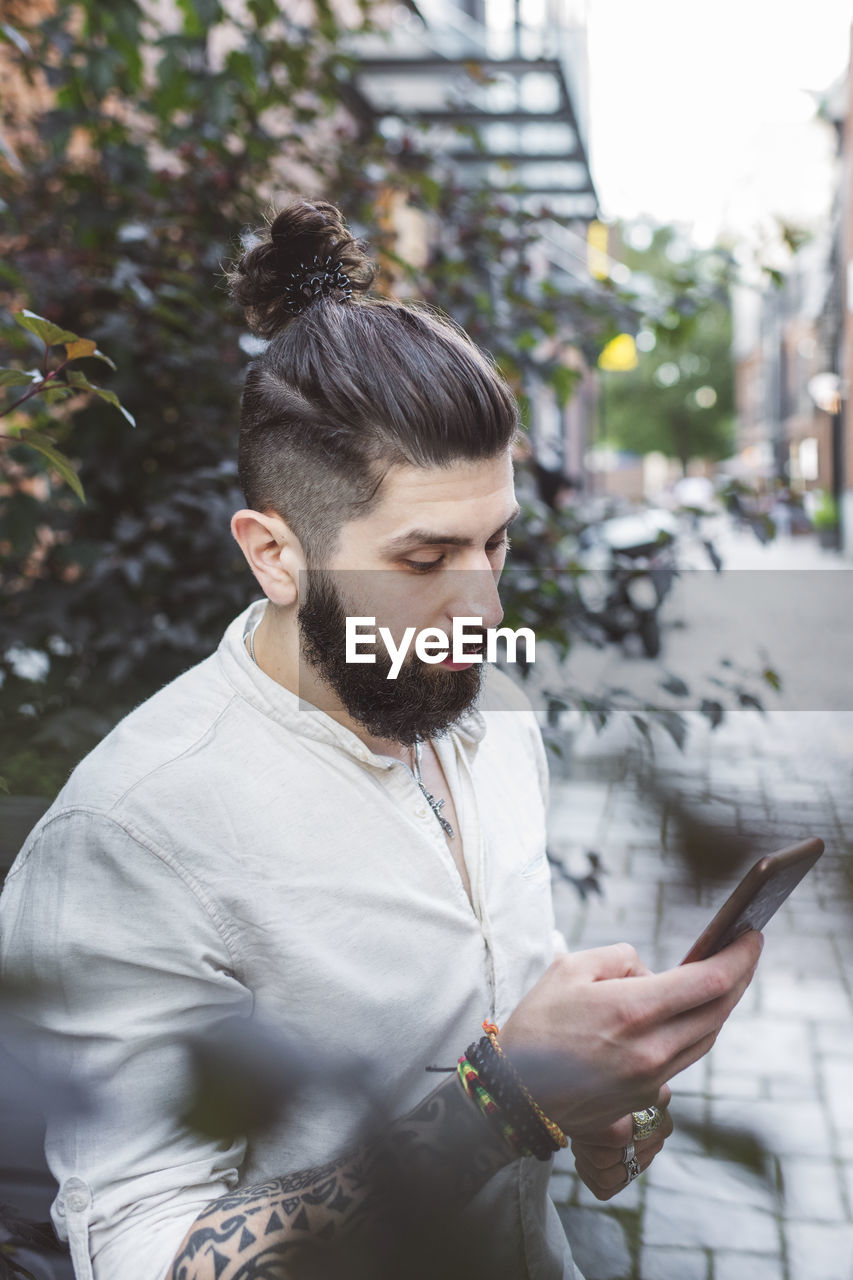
(52, 393)
(58, 460)
(676, 686)
(16, 378)
(772, 678)
(643, 726)
(82, 383)
(713, 710)
(44, 329)
(675, 725)
(80, 347)
(563, 380)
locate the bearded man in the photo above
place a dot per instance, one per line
(356, 861)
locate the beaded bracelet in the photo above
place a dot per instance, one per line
(551, 1126)
(496, 1088)
(479, 1094)
(531, 1135)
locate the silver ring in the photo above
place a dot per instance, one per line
(646, 1122)
(631, 1163)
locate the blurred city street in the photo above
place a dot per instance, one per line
(756, 1182)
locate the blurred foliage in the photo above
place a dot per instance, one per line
(144, 142)
(679, 400)
(52, 384)
(155, 142)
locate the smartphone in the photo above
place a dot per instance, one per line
(759, 896)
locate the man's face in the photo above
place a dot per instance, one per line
(430, 551)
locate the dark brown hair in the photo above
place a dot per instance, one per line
(349, 387)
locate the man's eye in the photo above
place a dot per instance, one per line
(497, 546)
(424, 566)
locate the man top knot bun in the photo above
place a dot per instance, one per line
(305, 255)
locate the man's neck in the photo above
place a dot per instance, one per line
(276, 651)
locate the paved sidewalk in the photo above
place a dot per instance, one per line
(782, 1069)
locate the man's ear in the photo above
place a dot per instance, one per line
(273, 551)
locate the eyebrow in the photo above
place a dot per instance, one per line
(429, 538)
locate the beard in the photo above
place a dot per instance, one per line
(420, 703)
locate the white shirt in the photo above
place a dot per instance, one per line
(231, 850)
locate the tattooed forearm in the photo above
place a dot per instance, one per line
(351, 1218)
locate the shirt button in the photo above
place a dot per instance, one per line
(77, 1195)
(421, 812)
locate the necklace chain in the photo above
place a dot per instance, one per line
(434, 804)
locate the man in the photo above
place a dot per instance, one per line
(357, 861)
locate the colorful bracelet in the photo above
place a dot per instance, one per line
(495, 1087)
(479, 1094)
(531, 1135)
(553, 1129)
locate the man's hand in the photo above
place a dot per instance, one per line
(598, 1035)
(598, 1157)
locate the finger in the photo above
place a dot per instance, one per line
(607, 1156)
(617, 961)
(691, 986)
(690, 1035)
(621, 1132)
(605, 1183)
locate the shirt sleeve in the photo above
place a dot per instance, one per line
(127, 959)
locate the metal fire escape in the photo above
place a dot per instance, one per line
(513, 71)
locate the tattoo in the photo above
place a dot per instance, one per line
(367, 1214)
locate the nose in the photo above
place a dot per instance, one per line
(475, 595)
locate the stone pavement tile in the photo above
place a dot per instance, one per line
(789, 1089)
(817, 916)
(818, 998)
(629, 1200)
(684, 919)
(733, 1084)
(764, 1045)
(680, 891)
(694, 1219)
(799, 953)
(819, 1251)
(693, 1079)
(835, 1038)
(837, 1083)
(847, 1167)
(781, 1129)
(719, 1182)
(729, 1265)
(753, 811)
(599, 1243)
(648, 863)
(562, 1187)
(844, 1144)
(689, 1115)
(673, 1264)
(811, 1189)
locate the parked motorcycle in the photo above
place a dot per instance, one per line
(629, 568)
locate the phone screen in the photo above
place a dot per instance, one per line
(759, 896)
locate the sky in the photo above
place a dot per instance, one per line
(703, 114)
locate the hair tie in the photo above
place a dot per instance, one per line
(309, 281)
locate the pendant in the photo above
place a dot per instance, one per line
(436, 806)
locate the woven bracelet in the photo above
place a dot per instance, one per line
(479, 1094)
(555, 1133)
(533, 1135)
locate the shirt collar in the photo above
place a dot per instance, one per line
(302, 717)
